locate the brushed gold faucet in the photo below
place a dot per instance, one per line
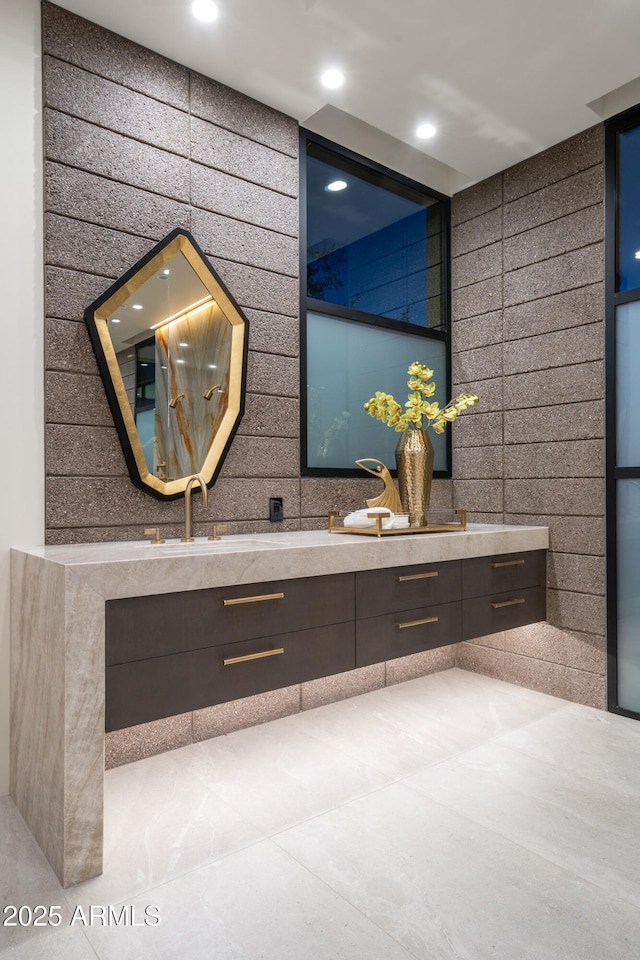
(196, 478)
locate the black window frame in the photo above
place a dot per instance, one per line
(377, 174)
(614, 298)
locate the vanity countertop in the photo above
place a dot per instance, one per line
(137, 567)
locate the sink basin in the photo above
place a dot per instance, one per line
(213, 546)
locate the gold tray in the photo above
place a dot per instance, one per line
(378, 531)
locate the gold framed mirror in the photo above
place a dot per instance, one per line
(171, 345)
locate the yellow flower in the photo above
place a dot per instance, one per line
(415, 400)
(428, 389)
(385, 408)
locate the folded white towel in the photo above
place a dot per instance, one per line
(361, 518)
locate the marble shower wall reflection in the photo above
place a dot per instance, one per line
(192, 358)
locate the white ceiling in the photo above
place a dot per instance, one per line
(501, 80)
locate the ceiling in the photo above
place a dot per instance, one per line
(500, 80)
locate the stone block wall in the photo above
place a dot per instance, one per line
(528, 337)
(136, 145)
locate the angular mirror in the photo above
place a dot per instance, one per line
(171, 345)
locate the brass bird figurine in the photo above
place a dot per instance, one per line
(389, 497)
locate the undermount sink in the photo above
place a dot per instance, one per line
(226, 543)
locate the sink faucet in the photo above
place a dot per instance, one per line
(196, 478)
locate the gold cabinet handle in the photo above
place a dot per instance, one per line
(418, 576)
(252, 656)
(266, 596)
(508, 563)
(507, 603)
(416, 623)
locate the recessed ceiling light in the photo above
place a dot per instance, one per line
(637, 254)
(204, 10)
(332, 79)
(336, 185)
(426, 130)
(136, 306)
(184, 344)
(115, 320)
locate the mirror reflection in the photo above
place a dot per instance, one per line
(173, 344)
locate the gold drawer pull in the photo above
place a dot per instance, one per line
(418, 576)
(416, 623)
(508, 563)
(507, 603)
(266, 596)
(252, 656)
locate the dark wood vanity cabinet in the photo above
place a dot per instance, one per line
(403, 610)
(502, 592)
(173, 653)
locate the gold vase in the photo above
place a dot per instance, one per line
(414, 460)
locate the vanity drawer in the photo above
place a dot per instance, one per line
(487, 575)
(405, 588)
(408, 631)
(138, 628)
(164, 686)
(502, 611)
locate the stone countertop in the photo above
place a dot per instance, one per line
(139, 568)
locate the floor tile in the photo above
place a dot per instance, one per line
(63, 943)
(447, 888)
(451, 817)
(163, 818)
(589, 829)
(386, 733)
(276, 775)
(26, 880)
(257, 904)
(590, 743)
(473, 703)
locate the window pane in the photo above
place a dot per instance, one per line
(628, 594)
(347, 363)
(627, 366)
(629, 210)
(372, 244)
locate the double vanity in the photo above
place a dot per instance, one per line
(108, 636)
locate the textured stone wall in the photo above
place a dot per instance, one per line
(528, 337)
(136, 145)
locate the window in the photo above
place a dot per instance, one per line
(374, 298)
(623, 422)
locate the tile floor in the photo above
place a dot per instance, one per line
(452, 816)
